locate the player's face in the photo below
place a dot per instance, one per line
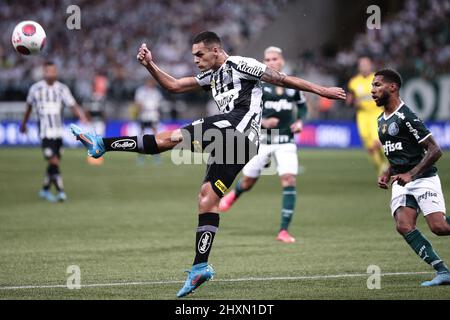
(205, 57)
(274, 60)
(365, 66)
(50, 73)
(380, 91)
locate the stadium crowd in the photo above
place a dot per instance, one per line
(112, 30)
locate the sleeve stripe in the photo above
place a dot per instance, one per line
(425, 138)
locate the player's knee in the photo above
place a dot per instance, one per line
(404, 227)
(207, 198)
(440, 230)
(288, 180)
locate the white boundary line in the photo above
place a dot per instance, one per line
(149, 283)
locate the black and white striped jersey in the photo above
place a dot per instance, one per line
(49, 101)
(236, 89)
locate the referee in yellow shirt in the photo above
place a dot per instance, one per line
(367, 112)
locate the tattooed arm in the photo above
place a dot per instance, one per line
(281, 79)
(434, 152)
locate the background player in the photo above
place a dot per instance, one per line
(412, 152)
(235, 85)
(278, 113)
(148, 99)
(359, 88)
(48, 97)
(96, 110)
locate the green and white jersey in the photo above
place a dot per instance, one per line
(401, 134)
(281, 103)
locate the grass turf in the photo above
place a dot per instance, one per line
(128, 223)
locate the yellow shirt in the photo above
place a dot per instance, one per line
(361, 88)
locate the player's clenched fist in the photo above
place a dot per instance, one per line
(144, 55)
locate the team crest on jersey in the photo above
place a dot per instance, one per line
(383, 128)
(393, 129)
(279, 90)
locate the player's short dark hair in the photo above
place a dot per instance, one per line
(208, 38)
(48, 63)
(391, 76)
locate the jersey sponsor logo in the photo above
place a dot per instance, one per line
(205, 242)
(383, 128)
(125, 144)
(251, 70)
(413, 131)
(221, 186)
(279, 105)
(391, 147)
(426, 195)
(224, 101)
(393, 129)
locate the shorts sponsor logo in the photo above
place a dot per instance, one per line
(221, 186)
(124, 144)
(393, 129)
(426, 195)
(391, 147)
(205, 242)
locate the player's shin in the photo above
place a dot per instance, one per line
(47, 180)
(55, 177)
(208, 223)
(288, 206)
(423, 248)
(145, 144)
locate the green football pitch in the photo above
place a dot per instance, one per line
(131, 231)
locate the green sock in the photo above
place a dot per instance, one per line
(238, 189)
(423, 248)
(288, 206)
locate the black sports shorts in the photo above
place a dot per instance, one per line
(51, 148)
(229, 149)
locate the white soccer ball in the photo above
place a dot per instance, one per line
(28, 37)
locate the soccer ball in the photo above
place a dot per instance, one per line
(28, 37)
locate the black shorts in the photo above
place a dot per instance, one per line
(229, 149)
(51, 148)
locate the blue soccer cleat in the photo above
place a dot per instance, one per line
(47, 195)
(92, 142)
(61, 197)
(199, 274)
(440, 280)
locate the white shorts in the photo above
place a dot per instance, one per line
(285, 155)
(424, 194)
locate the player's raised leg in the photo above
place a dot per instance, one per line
(405, 218)
(145, 144)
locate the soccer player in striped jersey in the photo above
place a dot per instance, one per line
(234, 82)
(278, 118)
(48, 98)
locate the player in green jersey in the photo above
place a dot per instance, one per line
(283, 112)
(412, 153)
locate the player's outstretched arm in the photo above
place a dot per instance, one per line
(168, 82)
(281, 79)
(432, 155)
